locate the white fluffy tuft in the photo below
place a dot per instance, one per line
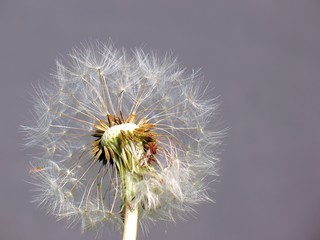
(70, 185)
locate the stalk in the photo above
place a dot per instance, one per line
(130, 226)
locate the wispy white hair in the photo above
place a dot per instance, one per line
(71, 185)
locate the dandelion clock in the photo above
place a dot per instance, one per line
(122, 139)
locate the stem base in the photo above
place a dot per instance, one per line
(130, 227)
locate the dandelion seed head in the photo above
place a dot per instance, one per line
(107, 114)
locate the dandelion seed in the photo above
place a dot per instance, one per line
(36, 169)
(124, 139)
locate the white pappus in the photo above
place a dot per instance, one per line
(117, 131)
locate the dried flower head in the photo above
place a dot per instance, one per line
(117, 132)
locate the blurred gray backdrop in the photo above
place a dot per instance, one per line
(262, 57)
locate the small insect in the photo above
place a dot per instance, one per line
(153, 148)
(36, 169)
(148, 155)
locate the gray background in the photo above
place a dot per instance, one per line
(262, 57)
